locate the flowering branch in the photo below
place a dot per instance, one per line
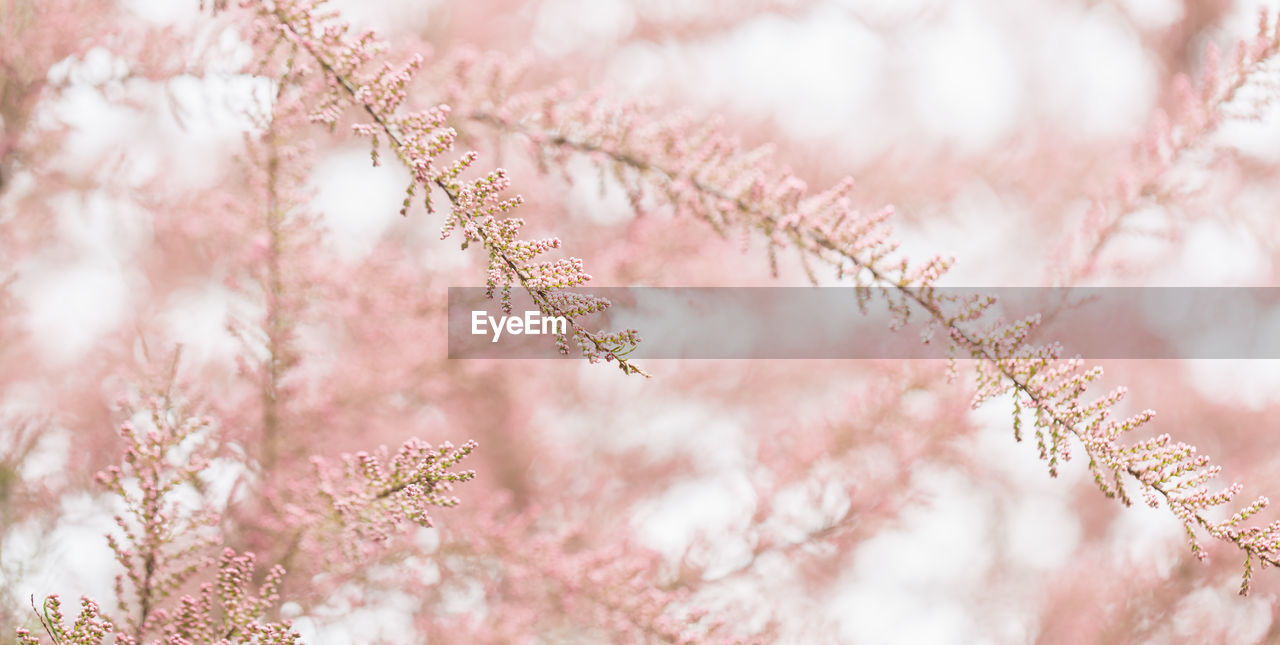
(162, 545)
(1202, 111)
(701, 171)
(147, 482)
(418, 138)
(162, 542)
(90, 627)
(223, 613)
(370, 496)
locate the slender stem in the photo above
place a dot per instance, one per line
(276, 324)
